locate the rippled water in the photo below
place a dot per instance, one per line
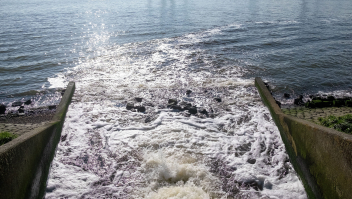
(157, 50)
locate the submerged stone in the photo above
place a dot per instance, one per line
(28, 102)
(286, 95)
(19, 103)
(299, 101)
(193, 110)
(218, 99)
(140, 108)
(203, 111)
(129, 106)
(138, 99)
(172, 102)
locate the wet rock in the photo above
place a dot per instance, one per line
(203, 111)
(218, 99)
(21, 109)
(192, 110)
(251, 161)
(28, 102)
(140, 108)
(63, 92)
(2, 109)
(149, 104)
(177, 107)
(129, 106)
(185, 105)
(278, 103)
(349, 103)
(330, 98)
(52, 107)
(138, 99)
(286, 95)
(172, 102)
(19, 103)
(338, 103)
(317, 98)
(267, 85)
(299, 101)
(188, 92)
(148, 119)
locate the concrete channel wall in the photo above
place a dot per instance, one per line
(321, 156)
(25, 161)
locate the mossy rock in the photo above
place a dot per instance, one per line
(342, 123)
(6, 137)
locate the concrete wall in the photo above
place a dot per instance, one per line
(321, 156)
(25, 161)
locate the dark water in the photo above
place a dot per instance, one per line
(299, 46)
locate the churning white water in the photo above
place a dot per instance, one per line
(229, 149)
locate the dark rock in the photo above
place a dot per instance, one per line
(330, 98)
(251, 161)
(338, 103)
(348, 103)
(278, 103)
(299, 101)
(192, 110)
(218, 99)
(2, 109)
(317, 98)
(186, 106)
(172, 102)
(286, 95)
(129, 106)
(21, 109)
(138, 99)
(188, 92)
(19, 103)
(267, 85)
(177, 107)
(63, 92)
(149, 104)
(52, 107)
(28, 102)
(203, 111)
(140, 108)
(148, 119)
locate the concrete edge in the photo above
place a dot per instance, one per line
(65, 100)
(300, 167)
(321, 156)
(25, 161)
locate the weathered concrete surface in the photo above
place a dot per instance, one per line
(20, 129)
(25, 161)
(312, 114)
(321, 156)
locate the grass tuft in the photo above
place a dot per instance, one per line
(6, 137)
(342, 123)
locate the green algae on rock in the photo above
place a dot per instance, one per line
(342, 123)
(6, 137)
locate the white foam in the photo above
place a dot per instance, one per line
(107, 150)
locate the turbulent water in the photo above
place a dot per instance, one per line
(158, 50)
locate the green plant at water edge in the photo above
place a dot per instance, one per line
(6, 137)
(342, 123)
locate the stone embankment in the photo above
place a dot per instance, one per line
(321, 156)
(25, 161)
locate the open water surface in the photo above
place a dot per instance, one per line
(157, 50)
